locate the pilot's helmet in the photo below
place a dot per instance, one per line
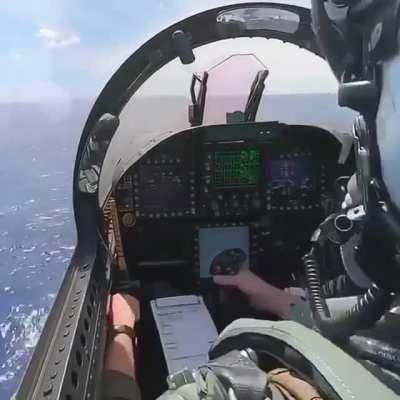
(361, 41)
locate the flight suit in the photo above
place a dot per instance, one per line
(323, 365)
(281, 385)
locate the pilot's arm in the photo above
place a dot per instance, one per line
(262, 295)
(119, 376)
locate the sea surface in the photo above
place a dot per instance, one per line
(37, 230)
(36, 242)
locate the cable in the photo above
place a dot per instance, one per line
(369, 308)
(376, 350)
(341, 286)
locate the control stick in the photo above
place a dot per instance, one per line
(228, 262)
(229, 302)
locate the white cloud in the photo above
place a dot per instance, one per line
(55, 38)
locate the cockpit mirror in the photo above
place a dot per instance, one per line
(93, 155)
(183, 47)
(258, 18)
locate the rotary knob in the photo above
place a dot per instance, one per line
(128, 220)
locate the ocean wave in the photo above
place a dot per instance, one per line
(19, 333)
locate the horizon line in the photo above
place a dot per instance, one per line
(92, 99)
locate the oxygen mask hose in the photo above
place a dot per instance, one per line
(368, 309)
(341, 286)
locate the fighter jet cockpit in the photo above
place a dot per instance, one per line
(185, 173)
(188, 177)
(228, 181)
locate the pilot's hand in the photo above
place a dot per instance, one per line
(248, 283)
(244, 280)
(125, 310)
(262, 295)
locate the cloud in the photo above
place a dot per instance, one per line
(55, 39)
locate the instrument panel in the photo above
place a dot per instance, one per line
(205, 176)
(271, 180)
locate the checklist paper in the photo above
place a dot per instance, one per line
(186, 330)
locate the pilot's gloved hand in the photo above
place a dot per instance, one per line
(262, 296)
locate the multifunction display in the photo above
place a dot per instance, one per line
(292, 182)
(292, 177)
(164, 184)
(240, 167)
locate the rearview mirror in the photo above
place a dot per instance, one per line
(259, 18)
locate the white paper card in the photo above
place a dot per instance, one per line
(186, 330)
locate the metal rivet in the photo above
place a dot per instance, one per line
(48, 389)
(66, 333)
(53, 374)
(61, 347)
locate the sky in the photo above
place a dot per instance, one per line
(63, 49)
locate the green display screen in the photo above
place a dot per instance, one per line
(237, 168)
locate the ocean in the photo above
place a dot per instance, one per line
(37, 231)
